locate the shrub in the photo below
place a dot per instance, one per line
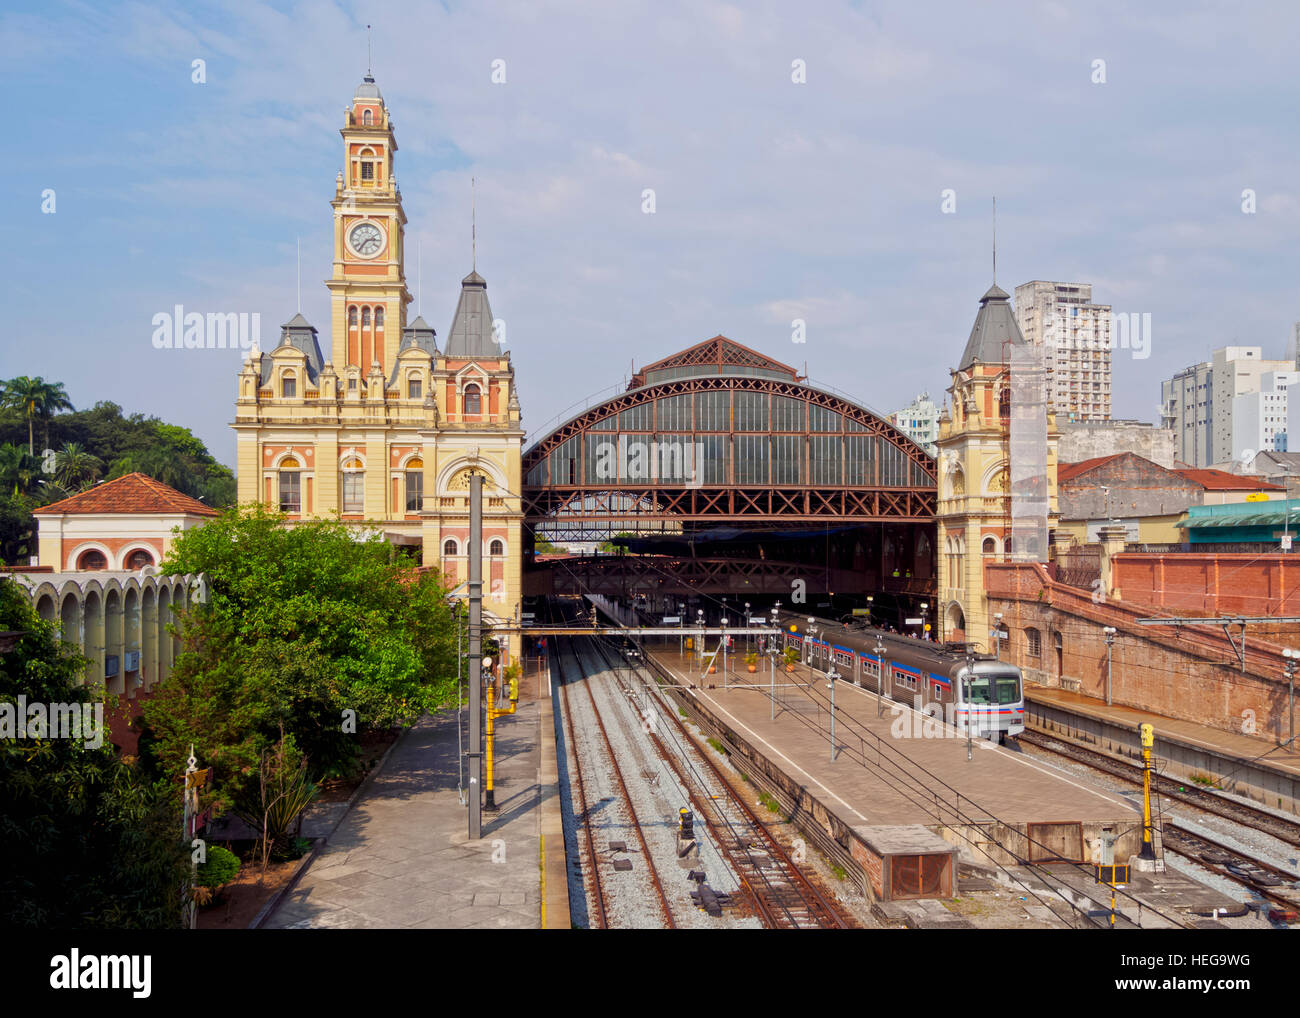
(221, 868)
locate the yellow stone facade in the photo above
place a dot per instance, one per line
(384, 430)
(974, 499)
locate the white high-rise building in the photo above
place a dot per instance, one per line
(1237, 371)
(919, 420)
(1076, 337)
(1260, 419)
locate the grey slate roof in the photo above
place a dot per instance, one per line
(418, 335)
(470, 334)
(995, 327)
(368, 90)
(298, 333)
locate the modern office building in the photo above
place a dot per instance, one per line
(1076, 336)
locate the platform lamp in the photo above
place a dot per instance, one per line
(747, 638)
(1292, 659)
(699, 618)
(808, 643)
(773, 649)
(832, 675)
(879, 651)
(925, 607)
(1109, 633)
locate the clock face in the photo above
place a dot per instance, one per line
(366, 239)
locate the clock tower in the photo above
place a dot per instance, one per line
(368, 295)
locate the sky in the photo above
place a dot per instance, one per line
(133, 187)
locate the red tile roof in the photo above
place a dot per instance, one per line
(1069, 471)
(130, 493)
(1221, 480)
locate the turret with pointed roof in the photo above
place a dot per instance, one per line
(470, 334)
(994, 333)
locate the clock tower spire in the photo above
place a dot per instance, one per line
(368, 294)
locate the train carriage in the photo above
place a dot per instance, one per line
(975, 692)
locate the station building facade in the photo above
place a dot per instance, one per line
(384, 428)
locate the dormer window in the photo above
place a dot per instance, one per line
(413, 388)
(473, 401)
(288, 386)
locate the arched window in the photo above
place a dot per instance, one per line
(365, 316)
(92, 559)
(497, 547)
(352, 316)
(990, 547)
(449, 547)
(1033, 643)
(473, 401)
(414, 485)
(138, 559)
(379, 318)
(367, 117)
(414, 388)
(290, 486)
(354, 482)
(367, 165)
(288, 385)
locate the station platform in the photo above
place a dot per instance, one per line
(894, 766)
(1253, 765)
(401, 857)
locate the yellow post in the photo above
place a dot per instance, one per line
(1148, 741)
(490, 802)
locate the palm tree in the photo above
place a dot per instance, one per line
(18, 467)
(77, 467)
(34, 397)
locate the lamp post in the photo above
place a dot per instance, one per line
(699, 618)
(1109, 633)
(681, 624)
(879, 650)
(772, 651)
(748, 641)
(997, 636)
(809, 643)
(723, 640)
(925, 607)
(832, 675)
(1292, 659)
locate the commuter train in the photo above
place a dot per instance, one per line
(978, 692)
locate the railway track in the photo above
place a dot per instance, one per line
(1269, 881)
(780, 892)
(619, 814)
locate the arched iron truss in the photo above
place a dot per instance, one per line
(581, 478)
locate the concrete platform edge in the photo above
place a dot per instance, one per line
(553, 863)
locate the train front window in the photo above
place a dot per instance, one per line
(1008, 688)
(977, 690)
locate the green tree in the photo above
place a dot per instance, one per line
(33, 398)
(19, 469)
(76, 468)
(302, 624)
(85, 841)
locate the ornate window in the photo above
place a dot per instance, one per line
(354, 485)
(138, 559)
(473, 401)
(990, 547)
(92, 559)
(290, 486)
(497, 547)
(449, 547)
(414, 389)
(415, 485)
(288, 385)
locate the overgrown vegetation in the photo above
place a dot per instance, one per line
(87, 840)
(309, 638)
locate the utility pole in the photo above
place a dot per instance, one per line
(1109, 633)
(475, 552)
(1292, 659)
